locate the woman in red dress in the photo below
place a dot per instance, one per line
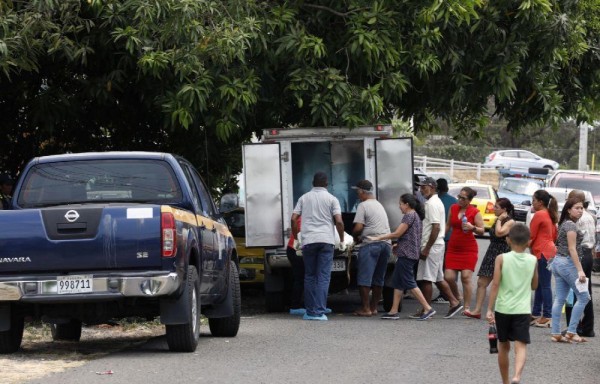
(461, 255)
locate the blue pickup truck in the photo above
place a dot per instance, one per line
(94, 237)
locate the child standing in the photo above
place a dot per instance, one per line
(515, 276)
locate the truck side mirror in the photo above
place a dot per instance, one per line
(229, 201)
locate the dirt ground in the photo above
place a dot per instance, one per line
(40, 356)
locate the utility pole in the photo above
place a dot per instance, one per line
(583, 146)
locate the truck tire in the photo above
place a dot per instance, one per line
(70, 331)
(274, 301)
(10, 341)
(275, 290)
(184, 337)
(388, 298)
(229, 326)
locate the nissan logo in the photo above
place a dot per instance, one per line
(72, 216)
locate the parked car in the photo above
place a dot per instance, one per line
(442, 175)
(518, 158)
(484, 201)
(561, 194)
(519, 190)
(252, 260)
(584, 180)
(93, 237)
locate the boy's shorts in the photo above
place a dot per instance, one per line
(513, 327)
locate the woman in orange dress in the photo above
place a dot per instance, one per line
(461, 256)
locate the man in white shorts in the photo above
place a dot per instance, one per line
(431, 263)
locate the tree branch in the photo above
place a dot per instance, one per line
(324, 8)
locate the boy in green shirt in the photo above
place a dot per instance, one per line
(515, 276)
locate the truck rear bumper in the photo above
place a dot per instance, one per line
(103, 287)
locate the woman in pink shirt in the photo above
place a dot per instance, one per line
(543, 234)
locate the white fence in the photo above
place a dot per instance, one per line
(424, 162)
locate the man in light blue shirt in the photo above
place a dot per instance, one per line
(321, 217)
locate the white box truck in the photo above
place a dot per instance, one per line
(280, 168)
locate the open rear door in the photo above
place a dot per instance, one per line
(394, 172)
(262, 182)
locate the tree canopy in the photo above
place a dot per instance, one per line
(198, 77)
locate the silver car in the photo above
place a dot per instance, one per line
(518, 158)
(561, 194)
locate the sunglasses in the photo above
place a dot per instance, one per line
(459, 197)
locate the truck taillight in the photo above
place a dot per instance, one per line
(169, 234)
(489, 207)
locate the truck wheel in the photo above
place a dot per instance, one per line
(229, 326)
(10, 340)
(184, 337)
(70, 331)
(274, 301)
(388, 298)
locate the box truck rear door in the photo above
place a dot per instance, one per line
(394, 173)
(264, 208)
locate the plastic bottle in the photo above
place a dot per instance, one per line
(493, 339)
(464, 220)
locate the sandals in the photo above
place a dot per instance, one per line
(560, 339)
(575, 338)
(468, 313)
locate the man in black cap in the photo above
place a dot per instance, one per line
(431, 261)
(373, 255)
(6, 186)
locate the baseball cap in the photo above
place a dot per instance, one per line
(428, 181)
(365, 185)
(6, 179)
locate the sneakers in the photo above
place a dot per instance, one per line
(440, 299)
(391, 316)
(297, 311)
(416, 315)
(302, 311)
(318, 318)
(454, 310)
(543, 322)
(427, 315)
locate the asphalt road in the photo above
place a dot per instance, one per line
(279, 348)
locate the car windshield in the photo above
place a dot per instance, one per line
(87, 181)
(483, 192)
(520, 186)
(587, 184)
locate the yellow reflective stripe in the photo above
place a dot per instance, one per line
(179, 214)
(196, 220)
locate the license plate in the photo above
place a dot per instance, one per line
(338, 265)
(74, 284)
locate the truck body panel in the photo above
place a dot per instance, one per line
(280, 169)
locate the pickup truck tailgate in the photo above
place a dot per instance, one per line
(90, 237)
